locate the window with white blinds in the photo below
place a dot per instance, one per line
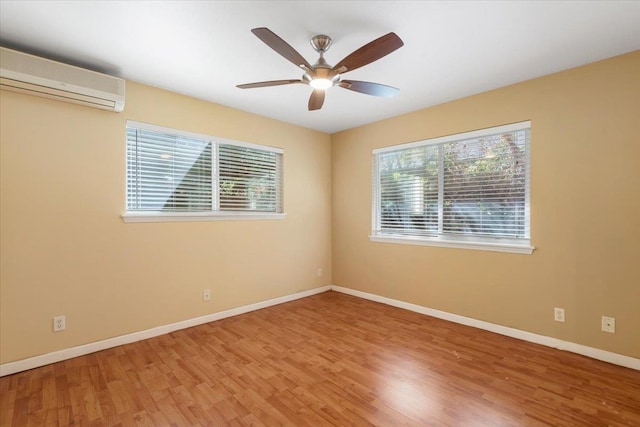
(177, 175)
(467, 190)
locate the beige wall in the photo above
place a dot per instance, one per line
(66, 251)
(585, 208)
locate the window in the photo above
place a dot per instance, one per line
(468, 190)
(175, 176)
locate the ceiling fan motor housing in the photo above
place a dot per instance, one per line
(321, 43)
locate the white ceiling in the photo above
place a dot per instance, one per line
(205, 48)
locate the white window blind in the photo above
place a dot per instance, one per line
(249, 179)
(172, 172)
(460, 190)
(167, 172)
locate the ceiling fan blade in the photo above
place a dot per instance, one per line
(272, 40)
(370, 52)
(369, 88)
(316, 100)
(269, 83)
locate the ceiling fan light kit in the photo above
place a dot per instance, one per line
(321, 76)
(319, 83)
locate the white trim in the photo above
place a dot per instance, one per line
(197, 216)
(458, 136)
(594, 353)
(69, 353)
(460, 244)
(81, 350)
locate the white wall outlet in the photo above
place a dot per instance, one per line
(609, 324)
(319, 272)
(59, 323)
(558, 314)
(206, 295)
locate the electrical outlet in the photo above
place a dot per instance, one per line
(609, 324)
(319, 272)
(558, 314)
(59, 323)
(206, 295)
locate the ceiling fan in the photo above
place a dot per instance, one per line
(321, 76)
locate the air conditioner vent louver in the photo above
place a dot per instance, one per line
(30, 74)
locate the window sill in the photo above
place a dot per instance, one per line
(198, 216)
(459, 244)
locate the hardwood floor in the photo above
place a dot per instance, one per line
(330, 359)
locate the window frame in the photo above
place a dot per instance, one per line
(132, 216)
(467, 241)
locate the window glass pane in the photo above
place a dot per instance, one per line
(484, 186)
(409, 191)
(167, 172)
(248, 179)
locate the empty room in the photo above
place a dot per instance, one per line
(311, 213)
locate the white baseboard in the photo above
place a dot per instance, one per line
(81, 350)
(57, 356)
(594, 353)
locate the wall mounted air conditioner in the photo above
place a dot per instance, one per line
(21, 72)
